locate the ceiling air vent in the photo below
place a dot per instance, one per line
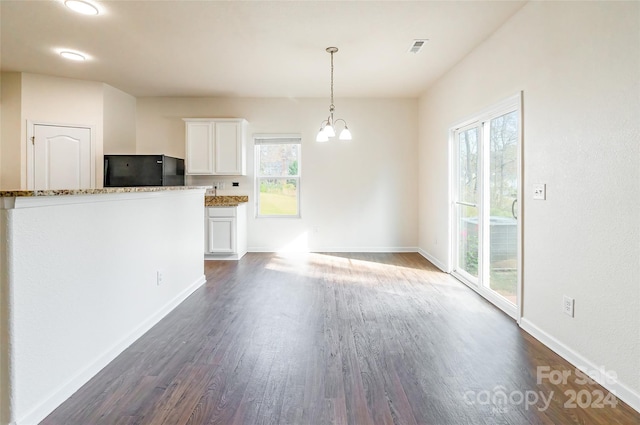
(416, 46)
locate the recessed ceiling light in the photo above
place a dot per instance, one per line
(81, 6)
(74, 56)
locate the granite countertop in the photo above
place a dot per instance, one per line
(209, 200)
(224, 200)
(65, 192)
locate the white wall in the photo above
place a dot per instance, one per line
(356, 196)
(10, 130)
(83, 286)
(119, 120)
(578, 65)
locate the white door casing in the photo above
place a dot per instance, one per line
(60, 157)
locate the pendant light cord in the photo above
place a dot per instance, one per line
(331, 80)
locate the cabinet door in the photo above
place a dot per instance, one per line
(221, 235)
(229, 148)
(200, 148)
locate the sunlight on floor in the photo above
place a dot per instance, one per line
(345, 268)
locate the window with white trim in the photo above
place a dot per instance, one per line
(277, 159)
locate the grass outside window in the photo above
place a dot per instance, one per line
(278, 177)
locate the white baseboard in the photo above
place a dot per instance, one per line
(619, 389)
(433, 260)
(66, 390)
(342, 249)
(219, 257)
(374, 249)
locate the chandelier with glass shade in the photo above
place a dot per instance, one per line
(328, 126)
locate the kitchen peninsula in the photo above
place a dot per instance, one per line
(83, 274)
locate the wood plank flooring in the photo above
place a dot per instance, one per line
(334, 339)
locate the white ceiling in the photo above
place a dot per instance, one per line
(249, 48)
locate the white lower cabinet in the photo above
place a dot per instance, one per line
(222, 235)
(226, 232)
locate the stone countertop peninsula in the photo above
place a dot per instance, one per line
(71, 259)
(106, 190)
(224, 200)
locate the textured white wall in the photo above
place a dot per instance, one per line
(578, 65)
(83, 285)
(356, 196)
(4, 327)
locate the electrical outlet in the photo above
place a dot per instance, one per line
(567, 305)
(159, 278)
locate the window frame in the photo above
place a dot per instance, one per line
(276, 139)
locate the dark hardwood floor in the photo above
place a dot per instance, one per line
(335, 339)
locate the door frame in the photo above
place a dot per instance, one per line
(484, 115)
(30, 156)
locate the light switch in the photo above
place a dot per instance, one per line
(540, 191)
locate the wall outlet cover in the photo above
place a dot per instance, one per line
(567, 305)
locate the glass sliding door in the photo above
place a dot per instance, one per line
(466, 203)
(486, 184)
(502, 200)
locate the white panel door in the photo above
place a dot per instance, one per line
(62, 157)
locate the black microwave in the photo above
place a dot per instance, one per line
(143, 170)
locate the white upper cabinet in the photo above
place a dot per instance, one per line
(229, 148)
(215, 146)
(200, 148)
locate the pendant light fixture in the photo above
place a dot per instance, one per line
(327, 127)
